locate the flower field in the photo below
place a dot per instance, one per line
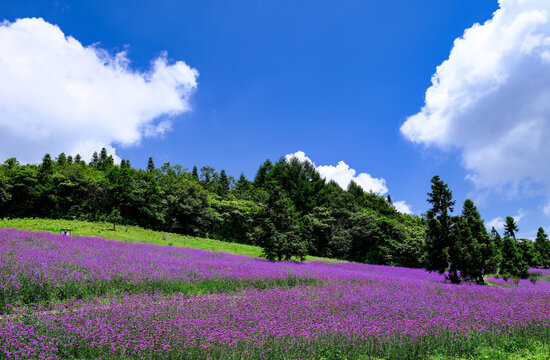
(88, 298)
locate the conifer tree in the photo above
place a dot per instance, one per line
(47, 165)
(223, 186)
(510, 227)
(95, 159)
(195, 174)
(69, 159)
(440, 242)
(61, 159)
(150, 165)
(542, 249)
(77, 159)
(512, 263)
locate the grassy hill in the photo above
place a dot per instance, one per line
(135, 234)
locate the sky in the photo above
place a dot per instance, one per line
(387, 93)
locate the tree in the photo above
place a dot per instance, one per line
(61, 159)
(77, 159)
(47, 165)
(510, 227)
(95, 159)
(69, 159)
(223, 186)
(512, 263)
(115, 218)
(542, 249)
(195, 174)
(278, 233)
(441, 254)
(150, 165)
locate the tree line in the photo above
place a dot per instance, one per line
(288, 209)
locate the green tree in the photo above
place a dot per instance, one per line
(150, 165)
(115, 218)
(223, 186)
(542, 249)
(510, 227)
(440, 247)
(278, 233)
(512, 264)
(61, 159)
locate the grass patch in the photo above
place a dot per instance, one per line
(136, 234)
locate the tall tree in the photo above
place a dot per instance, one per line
(150, 165)
(278, 233)
(510, 227)
(441, 256)
(542, 249)
(223, 186)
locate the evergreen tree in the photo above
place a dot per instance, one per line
(512, 263)
(47, 165)
(441, 254)
(150, 165)
(103, 155)
(95, 159)
(77, 159)
(69, 159)
(510, 227)
(123, 164)
(195, 174)
(542, 249)
(61, 159)
(278, 233)
(223, 186)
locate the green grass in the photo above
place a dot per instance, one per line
(136, 234)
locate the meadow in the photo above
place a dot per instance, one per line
(90, 298)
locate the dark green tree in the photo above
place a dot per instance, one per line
(47, 165)
(278, 233)
(95, 159)
(61, 159)
(542, 249)
(150, 165)
(195, 174)
(512, 264)
(440, 240)
(510, 227)
(77, 159)
(223, 185)
(69, 159)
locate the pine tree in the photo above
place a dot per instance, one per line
(195, 174)
(510, 227)
(278, 233)
(512, 264)
(150, 165)
(69, 159)
(61, 159)
(95, 159)
(47, 165)
(440, 241)
(103, 155)
(223, 185)
(542, 249)
(77, 159)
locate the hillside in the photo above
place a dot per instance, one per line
(136, 234)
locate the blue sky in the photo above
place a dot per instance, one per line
(336, 80)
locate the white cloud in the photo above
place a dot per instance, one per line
(546, 209)
(342, 174)
(498, 222)
(57, 95)
(490, 98)
(402, 207)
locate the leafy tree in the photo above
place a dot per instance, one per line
(69, 159)
(115, 218)
(47, 165)
(78, 158)
(440, 240)
(542, 249)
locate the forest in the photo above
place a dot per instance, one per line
(288, 209)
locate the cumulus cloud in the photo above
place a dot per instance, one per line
(57, 95)
(402, 207)
(342, 174)
(498, 222)
(490, 98)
